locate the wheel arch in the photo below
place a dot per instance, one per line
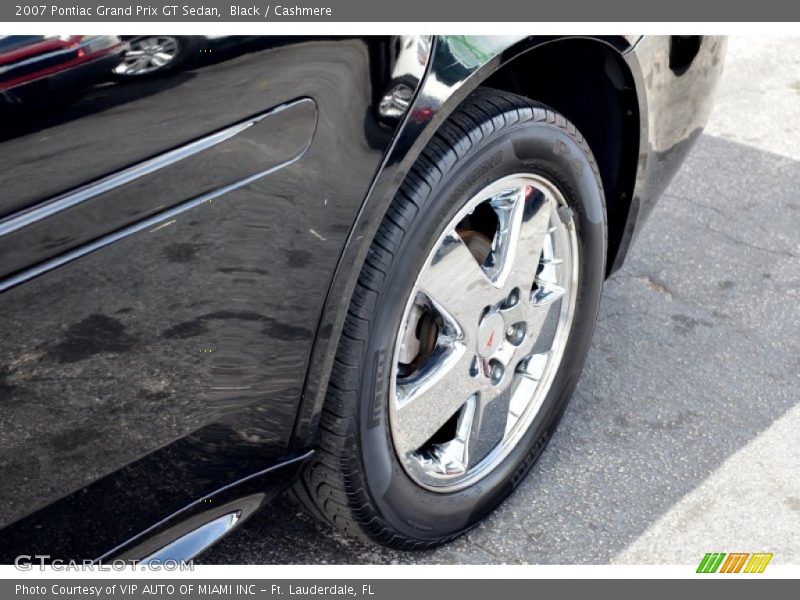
(514, 65)
(588, 81)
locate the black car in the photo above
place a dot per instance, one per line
(365, 269)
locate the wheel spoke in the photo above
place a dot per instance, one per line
(141, 63)
(526, 381)
(534, 226)
(163, 57)
(451, 459)
(546, 293)
(489, 426)
(547, 289)
(167, 44)
(430, 397)
(509, 207)
(456, 282)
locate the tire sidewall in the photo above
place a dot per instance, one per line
(540, 148)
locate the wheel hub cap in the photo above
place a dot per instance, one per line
(490, 334)
(148, 54)
(464, 394)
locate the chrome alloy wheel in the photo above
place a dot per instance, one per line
(483, 333)
(148, 54)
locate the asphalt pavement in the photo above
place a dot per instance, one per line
(682, 437)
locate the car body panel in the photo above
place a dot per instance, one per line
(675, 100)
(169, 362)
(204, 169)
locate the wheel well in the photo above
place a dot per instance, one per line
(589, 83)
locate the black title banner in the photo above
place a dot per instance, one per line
(220, 11)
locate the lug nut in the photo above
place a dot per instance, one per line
(512, 299)
(497, 373)
(515, 334)
(474, 367)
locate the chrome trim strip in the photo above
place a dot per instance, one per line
(143, 534)
(193, 543)
(125, 177)
(48, 208)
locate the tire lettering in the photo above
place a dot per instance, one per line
(379, 393)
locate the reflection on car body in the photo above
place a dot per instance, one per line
(34, 67)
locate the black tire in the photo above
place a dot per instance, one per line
(354, 480)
